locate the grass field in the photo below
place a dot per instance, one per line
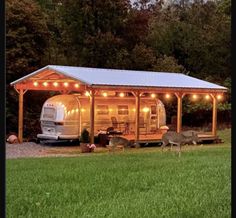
(143, 183)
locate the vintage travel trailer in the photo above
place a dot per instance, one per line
(64, 116)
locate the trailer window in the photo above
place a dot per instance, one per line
(153, 109)
(102, 110)
(123, 110)
(49, 113)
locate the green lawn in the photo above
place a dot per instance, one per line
(146, 183)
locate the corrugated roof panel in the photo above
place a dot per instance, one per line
(98, 76)
(113, 77)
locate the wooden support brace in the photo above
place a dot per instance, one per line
(179, 111)
(92, 99)
(214, 115)
(137, 103)
(20, 114)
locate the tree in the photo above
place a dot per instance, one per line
(26, 41)
(168, 64)
(197, 35)
(142, 57)
(84, 22)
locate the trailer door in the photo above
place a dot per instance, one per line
(154, 124)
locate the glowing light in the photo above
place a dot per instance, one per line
(219, 97)
(110, 109)
(195, 97)
(72, 111)
(167, 96)
(76, 85)
(87, 93)
(82, 110)
(35, 84)
(77, 110)
(153, 95)
(45, 84)
(145, 109)
(68, 112)
(134, 109)
(104, 94)
(122, 94)
(55, 84)
(66, 84)
(207, 97)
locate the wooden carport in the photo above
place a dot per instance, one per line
(66, 79)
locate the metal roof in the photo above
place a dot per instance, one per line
(132, 78)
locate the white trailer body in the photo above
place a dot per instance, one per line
(64, 116)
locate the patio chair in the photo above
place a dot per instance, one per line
(114, 122)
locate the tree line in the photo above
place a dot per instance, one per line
(186, 36)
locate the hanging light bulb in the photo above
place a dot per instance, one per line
(76, 85)
(35, 83)
(122, 94)
(195, 97)
(153, 95)
(87, 93)
(55, 84)
(104, 94)
(66, 84)
(167, 96)
(207, 97)
(219, 97)
(45, 84)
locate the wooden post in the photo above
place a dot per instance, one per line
(20, 116)
(214, 115)
(92, 116)
(179, 111)
(137, 103)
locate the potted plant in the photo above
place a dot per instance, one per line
(84, 142)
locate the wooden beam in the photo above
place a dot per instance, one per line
(137, 103)
(30, 86)
(20, 116)
(161, 90)
(92, 116)
(214, 115)
(158, 89)
(179, 111)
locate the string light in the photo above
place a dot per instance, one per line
(122, 94)
(167, 96)
(195, 97)
(66, 84)
(207, 97)
(87, 93)
(219, 97)
(76, 85)
(153, 95)
(55, 84)
(35, 84)
(104, 94)
(45, 84)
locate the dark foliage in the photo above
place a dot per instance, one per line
(192, 37)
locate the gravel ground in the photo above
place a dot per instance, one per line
(31, 149)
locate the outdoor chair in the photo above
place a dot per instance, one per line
(114, 122)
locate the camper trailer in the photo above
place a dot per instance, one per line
(65, 116)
